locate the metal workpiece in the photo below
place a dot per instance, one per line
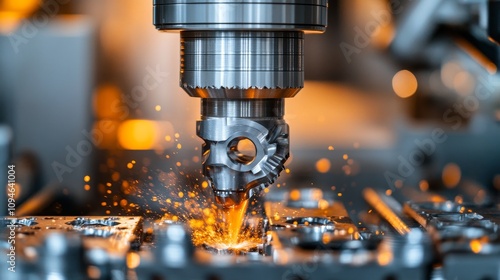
(61, 256)
(63, 246)
(325, 226)
(231, 251)
(320, 233)
(240, 15)
(466, 237)
(454, 225)
(246, 146)
(123, 230)
(317, 243)
(173, 244)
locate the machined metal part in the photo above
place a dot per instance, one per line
(95, 231)
(226, 124)
(321, 244)
(61, 256)
(311, 228)
(316, 232)
(242, 64)
(242, 58)
(378, 202)
(173, 244)
(466, 237)
(69, 247)
(240, 15)
(230, 251)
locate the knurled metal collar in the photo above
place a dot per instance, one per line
(299, 15)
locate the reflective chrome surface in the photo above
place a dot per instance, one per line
(238, 52)
(242, 64)
(238, 172)
(240, 15)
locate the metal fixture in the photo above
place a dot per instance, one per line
(242, 59)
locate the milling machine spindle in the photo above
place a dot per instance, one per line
(242, 58)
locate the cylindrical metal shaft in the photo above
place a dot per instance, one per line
(242, 58)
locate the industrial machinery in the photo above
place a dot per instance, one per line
(424, 204)
(242, 59)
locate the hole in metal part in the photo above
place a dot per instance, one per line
(84, 222)
(19, 222)
(242, 150)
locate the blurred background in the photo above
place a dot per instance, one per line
(401, 96)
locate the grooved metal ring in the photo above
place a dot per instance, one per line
(230, 64)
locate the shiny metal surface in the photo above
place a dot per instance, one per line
(174, 247)
(377, 202)
(240, 15)
(242, 64)
(68, 247)
(456, 241)
(238, 52)
(61, 255)
(243, 108)
(236, 175)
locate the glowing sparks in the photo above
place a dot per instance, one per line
(451, 175)
(476, 246)
(115, 176)
(423, 185)
(157, 108)
(323, 165)
(137, 134)
(204, 184)
(294, 195)
(123, 203)
(133, 260)
(233, 217)
(86, 178)
(222, 229)
(404, 84)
